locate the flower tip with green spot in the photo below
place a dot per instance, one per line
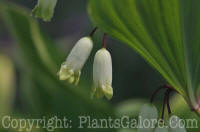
(71, 69)
(108, 91)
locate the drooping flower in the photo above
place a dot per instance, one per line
(71, 69)
(102, 74)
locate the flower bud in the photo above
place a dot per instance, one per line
(102, 74)
(71, 69)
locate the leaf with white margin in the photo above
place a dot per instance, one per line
(176, 124)
(148, 116)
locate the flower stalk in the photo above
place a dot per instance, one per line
(169, 89)
(104, 40)
(93, 31)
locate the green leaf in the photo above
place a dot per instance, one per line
(44, 9)
(181, 109)
(164, 32)
(41, 91)
(37, 51)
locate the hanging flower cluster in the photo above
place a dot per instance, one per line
(102, 76)
(102, 69)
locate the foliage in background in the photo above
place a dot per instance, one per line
(41, 91)
(7, 82)
(164, 32)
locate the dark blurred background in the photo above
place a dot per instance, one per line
(132, 76)
(37, 94)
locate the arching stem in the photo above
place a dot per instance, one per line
(166, 98)
(93, 31)
(166, 86)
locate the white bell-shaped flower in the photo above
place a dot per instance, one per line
(102, 74)
(71, 69)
